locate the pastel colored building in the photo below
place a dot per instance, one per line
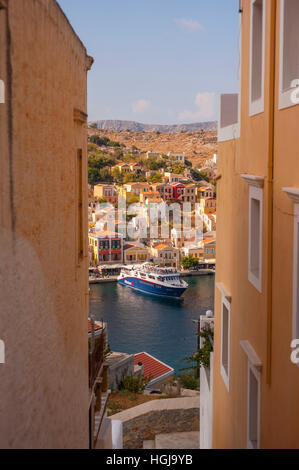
(107, 192)
(134, 254)
(178, 191)
(209, 249)
(204, 191)
(255, 375)
(105, 247)
(165, 255)
(189, 193)
(122, 167)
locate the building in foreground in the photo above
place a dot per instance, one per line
(255, 380)
(44, 384)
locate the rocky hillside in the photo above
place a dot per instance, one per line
(134, 126)
(197, 146)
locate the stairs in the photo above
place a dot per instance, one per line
(174, 441)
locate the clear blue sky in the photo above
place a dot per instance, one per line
(157, 61)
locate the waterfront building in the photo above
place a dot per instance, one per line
(209, 249)
(255, 371)
(165, 255)
(105, 247)
(181, 238)
(46, 400)
(135, 254)
(108, 192)
(193, 250)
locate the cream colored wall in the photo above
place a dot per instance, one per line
(249, 309)
(44, 395)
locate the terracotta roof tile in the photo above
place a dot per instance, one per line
(153, 368)
(97, 326)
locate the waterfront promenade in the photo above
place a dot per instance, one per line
(200, 272)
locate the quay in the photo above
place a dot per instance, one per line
(200, 272)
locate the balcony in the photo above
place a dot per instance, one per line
(98, 379)
(229, 117)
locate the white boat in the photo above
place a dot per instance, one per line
(165, 282)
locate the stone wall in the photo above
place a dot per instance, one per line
(120, 365)
(144, 422)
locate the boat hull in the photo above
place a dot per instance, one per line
(151, 287)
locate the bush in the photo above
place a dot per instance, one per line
(133, 384)
(189, 381)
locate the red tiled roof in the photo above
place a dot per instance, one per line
(153, 368)
(97, 326)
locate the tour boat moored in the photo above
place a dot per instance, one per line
(154, 280)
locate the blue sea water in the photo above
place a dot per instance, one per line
(162, 327)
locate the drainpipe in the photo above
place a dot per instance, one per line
(8, 98)
(270, 187)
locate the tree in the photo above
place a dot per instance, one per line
(188, 262)
(100, 141)
(197, 175)
(117, 175)
(157, 178)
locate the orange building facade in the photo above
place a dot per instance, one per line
(255, 378)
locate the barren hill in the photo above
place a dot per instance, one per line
(139, 127)
(197, 146)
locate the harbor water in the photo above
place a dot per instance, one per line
(159, 326)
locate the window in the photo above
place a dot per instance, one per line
(257, 56)
(2, 92)
(253, 408)
(296, 276)
(293, 194)
(289, 52)
(255, 238)
(225, 341)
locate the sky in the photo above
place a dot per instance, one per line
(157, 61)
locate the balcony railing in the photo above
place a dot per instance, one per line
(96, 356)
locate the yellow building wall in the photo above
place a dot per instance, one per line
(279, 426)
